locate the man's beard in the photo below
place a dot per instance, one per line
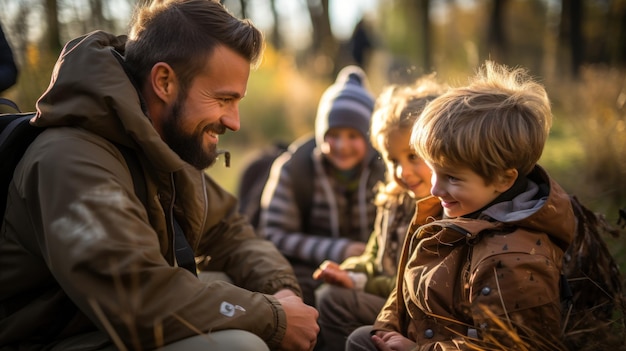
(189, 147)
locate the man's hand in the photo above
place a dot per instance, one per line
(331, 273)
(302, 328)
(284, 293)
(392, 341)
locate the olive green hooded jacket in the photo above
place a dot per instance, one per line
(78, 249)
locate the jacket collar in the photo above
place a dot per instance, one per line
(90, 89)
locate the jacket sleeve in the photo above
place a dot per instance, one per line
(281, 221)
(232, 246)
(377, 283)
(388, 318)
(365, 263)
(94, 236)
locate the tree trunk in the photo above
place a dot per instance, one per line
(496, 37)
(571, 33)
(324, 45)
(577, 43)
(426, 49)
(243, 4)
(276, 38)
(617, 20)
(97, 17)
(53, 36)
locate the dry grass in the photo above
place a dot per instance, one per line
(590, 130)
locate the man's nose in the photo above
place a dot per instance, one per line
(231, 119)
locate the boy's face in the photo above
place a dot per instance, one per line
(461, 191)
(406, 167)
(344, 147)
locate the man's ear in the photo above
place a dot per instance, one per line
(164, 82)
(506, 180)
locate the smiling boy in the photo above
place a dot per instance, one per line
(491, 267)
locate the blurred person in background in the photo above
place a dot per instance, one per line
(8, 68)
(356, 290)
(317, 204)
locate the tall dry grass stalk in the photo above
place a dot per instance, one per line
(591, 334)
(128, 310)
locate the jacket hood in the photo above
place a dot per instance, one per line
(551, 214)
(89, 85)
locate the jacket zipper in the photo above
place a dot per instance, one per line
(205, 211)
(466, 275)
(466, 271)
(171, 219)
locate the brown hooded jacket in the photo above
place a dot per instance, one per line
(508, 262)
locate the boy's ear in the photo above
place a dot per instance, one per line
(506, 180)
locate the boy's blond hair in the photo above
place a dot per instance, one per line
(501, 120)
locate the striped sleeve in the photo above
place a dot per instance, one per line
(281, 223)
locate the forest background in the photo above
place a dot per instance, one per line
(576, 48)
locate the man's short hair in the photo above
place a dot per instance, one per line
(501, 120)
(183, 34)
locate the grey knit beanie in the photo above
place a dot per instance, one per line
(346, 103)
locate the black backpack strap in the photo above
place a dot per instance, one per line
(4, 101)
(12, 124)
(302, 174)
(15, 137)
(565, 292)
(253, 179)
(182, 250)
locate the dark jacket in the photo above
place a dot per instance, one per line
(78, 249)
(8, 68)
(321, 226)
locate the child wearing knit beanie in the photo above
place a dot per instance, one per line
(342, 125)
(345, 104)
(341, 168)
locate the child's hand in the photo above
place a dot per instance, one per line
(354, 249)
(392, 341)
(331, 273)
